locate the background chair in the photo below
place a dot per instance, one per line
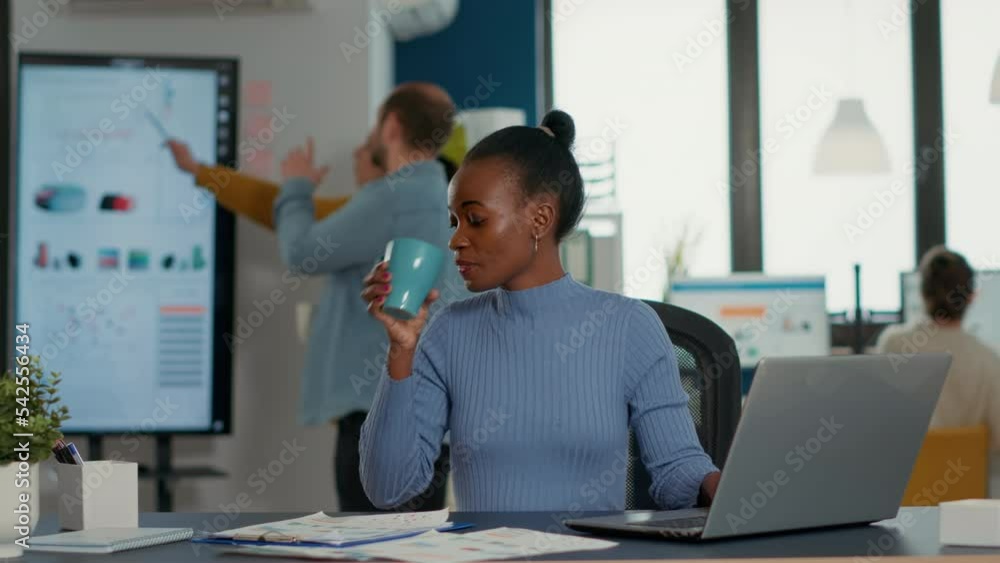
(953, 464)
(710, 374)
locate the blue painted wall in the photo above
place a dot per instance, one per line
(489, 38)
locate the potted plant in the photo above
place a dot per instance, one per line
(679, 256)
(38, 412)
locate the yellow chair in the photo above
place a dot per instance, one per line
(953, 464)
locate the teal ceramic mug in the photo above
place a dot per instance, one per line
(415, 266)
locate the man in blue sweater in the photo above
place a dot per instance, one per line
(347, 348)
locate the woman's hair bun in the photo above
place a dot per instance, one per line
(561, 125)
(941, 263)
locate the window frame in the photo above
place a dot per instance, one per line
(746, 211)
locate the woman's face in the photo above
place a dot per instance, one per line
(493, 237)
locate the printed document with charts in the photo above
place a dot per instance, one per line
(320, 530)
(434, 547)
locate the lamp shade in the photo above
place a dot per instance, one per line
(995, 89)
(851, 145)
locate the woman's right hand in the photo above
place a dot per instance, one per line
(402, 333)
(182, 156)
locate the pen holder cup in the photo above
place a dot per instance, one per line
(98, 494)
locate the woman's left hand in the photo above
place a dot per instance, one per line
(708, 487)
(298, 163)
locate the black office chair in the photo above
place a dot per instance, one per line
(710, 374)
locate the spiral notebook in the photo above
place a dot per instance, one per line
(109, 540)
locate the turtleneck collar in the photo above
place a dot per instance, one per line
(538, 298)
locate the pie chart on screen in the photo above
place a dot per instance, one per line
(60, 198)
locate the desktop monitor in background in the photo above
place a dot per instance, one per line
(982, 319)
(122, 268)
(766, 316)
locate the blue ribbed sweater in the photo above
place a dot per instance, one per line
(538, 388)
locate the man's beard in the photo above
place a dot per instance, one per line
(378, 156)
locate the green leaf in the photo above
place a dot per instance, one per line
(47, 413)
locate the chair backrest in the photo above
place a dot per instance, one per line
(953, 464)
(710, 374)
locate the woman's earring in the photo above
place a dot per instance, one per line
(536, 244)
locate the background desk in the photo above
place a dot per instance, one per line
(866, 542)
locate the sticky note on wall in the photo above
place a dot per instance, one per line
(255, 124)
(257, 93)
(259, 163)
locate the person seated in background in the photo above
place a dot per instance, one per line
(971, 394)
(537, 421)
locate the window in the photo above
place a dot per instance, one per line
(969, 68)
(813, 55)
(648, 78)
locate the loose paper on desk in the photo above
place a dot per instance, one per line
(336, 530)
(435, 547)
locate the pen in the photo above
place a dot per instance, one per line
(62, 456)
(77, 458)
(158, 125)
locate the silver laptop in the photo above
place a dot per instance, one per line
(825, 441)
